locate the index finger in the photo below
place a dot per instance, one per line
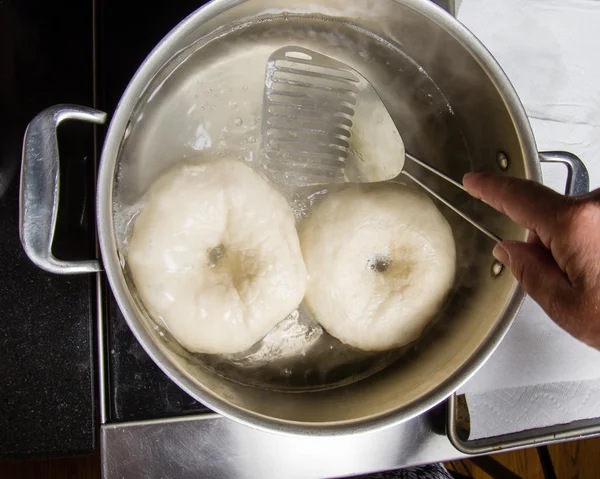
(527, 203)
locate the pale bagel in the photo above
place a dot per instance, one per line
(215, 256)
(381, 260)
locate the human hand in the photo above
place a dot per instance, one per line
(559, 265)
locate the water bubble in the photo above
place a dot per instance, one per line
(245, 87)
(238, 121)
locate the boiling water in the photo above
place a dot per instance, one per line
(206, 103)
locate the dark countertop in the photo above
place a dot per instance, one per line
(47, 378)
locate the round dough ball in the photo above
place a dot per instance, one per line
(381, 260)
(215, 255)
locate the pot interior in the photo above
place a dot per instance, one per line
(205, 101)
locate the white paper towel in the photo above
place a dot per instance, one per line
(517, 409)
(550, 50)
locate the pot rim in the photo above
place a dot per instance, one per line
(112, 266)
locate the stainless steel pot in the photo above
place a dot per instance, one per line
(495, 136)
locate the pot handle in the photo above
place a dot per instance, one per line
(451, 6)
(578, 183)
(578, 179)
(458, 434)
(38, 203)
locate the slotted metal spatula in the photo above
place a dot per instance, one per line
(310, 129)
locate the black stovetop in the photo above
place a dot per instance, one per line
(47, 377)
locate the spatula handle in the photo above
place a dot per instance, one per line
(448, 204)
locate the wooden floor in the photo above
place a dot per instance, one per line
(574, 460)
(571, 460)
(83, 467)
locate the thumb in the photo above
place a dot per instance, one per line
(535, 268)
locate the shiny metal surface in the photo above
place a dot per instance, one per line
(465, 217)
(578, 179)
(435, 171)
(214, 447)
(307, 110)
(40, 188)
(101, 343)
(482, 99)
(534, 437)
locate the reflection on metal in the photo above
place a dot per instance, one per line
(40, 188)
(101, 344)
(497, 268)
(578, 179)
(532, 437)
(502, 161)
(215, 447)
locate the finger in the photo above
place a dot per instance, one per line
(537, 272)
(533, 238)
(526, 202)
